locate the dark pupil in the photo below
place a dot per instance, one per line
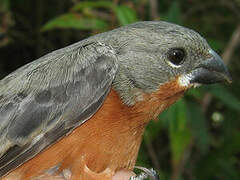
(176, 56)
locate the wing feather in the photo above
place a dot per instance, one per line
(46, 99)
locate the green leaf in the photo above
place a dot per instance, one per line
(174, 13)
(232, 143)
(125, 15)
(4, 4)
(92, 4)
(225, 96)
(194, 92)
(154, 128)
(216, 166)
(198, 126)
(75, 21)
(180, 134)
(215, 44)
(227, 169)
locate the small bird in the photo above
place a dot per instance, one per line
(80, 112)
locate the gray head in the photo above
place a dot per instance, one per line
(155, 52)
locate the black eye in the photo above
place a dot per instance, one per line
(176, 56)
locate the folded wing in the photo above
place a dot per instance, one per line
(45, 100)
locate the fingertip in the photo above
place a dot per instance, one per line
(123, 175)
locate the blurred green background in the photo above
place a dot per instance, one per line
(197, 138)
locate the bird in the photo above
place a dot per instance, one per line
(80, 112)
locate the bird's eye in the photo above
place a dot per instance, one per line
(176, 56)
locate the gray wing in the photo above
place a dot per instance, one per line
(46, 99)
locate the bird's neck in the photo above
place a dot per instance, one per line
(114, 135)
(118, 128)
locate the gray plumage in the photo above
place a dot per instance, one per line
(37, 98)
(46, 99)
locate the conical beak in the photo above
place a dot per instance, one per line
(210, 71)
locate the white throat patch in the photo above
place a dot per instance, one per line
(185, 81)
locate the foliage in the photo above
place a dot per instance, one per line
(81, 16)
(199, 136)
